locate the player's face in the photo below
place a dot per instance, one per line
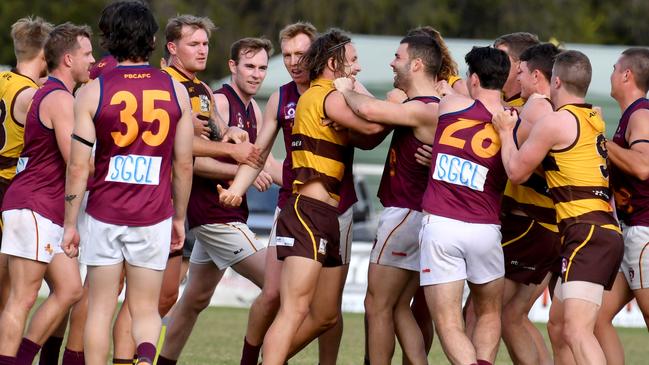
(513, 69)
(526, 78)
(250, 72)
(82, 60)
(292, 50)
(352, 67)
(616, 77)
(401, 67)
(191, 49)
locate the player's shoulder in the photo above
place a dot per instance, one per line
(454, 103)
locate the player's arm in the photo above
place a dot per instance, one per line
(182, 167)
(521, 162)
(272, 167)
(339, 112)
(635, 160)
(21, 104)
(78, 167)
(60, 112)
(534, 109)
(385, 112)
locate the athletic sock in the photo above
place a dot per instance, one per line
(117, 361)
(73, 358)
(250, 353)
(50, 351)
(164, 361)
(27, 352)
(7, 360)
(483, 362)
(146, 352)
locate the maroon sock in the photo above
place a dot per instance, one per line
(7, 360)
(73, 358)
(250, 353)
(27, 352)
(122, 361)
(484, 362)
(164, 361)
(50, 351)
(146, 352)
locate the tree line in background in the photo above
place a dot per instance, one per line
(572, 21)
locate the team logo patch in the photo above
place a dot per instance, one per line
(289, 111)
(631, 274)
(135, 169)
(322, 249)
(240, 121)
(564, 265)
(49, 249)
(284, 241)
(205, 103)
(458, 171)
(22, 164)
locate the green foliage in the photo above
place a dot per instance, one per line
(582, 21)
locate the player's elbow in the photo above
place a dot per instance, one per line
(642, 172)
(372, 128)
(369, 111)
(517, 176)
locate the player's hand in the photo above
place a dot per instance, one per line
(70, 241)
(201, 129)
(344, 84)
(236, 135)
(443, 88)
(177, 234)
(246, 153)
(263, 181)
(396, 96)
(505, 120)
(424, 155)
(227, 198)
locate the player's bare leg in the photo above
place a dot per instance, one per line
(74, 346)
(579, 319)
(560, 349)
(297, 288)
(612, 302)
(488, 306)
(103, 289)
(4, 280)
(386, 284)
(424, 321)
(201, 283)
(516, 336)
(123, 343)
(329, 341)
(406, 327)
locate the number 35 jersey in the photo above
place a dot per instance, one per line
(467, 176)
(135, 124)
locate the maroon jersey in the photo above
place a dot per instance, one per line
(104, 65)
(204, 207)
(39, 184)
(288, 97)
(404, 180)
(467, 175)
(135, 125)
(631, 194)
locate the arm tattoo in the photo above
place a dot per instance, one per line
(70, 197)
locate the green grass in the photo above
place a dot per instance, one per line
(218, 335)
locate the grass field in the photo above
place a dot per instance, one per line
(218, 335)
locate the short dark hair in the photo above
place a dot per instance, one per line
(448, 65)
(62, 40)
(636, 59)
(517, 42)
(541, 57)
(106, 18)
(490, 64)
(574, 70)
(131, 32)
(426, 49)
(250, 45)
(327, 45)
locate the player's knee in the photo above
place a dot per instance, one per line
(572, 332)
(23, 303)
(269, 299)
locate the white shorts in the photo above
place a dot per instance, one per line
(635, 264)
(109, 244)
(223, 244)
(29, 235)
(397, 239)
(453, 250)
(346, 223)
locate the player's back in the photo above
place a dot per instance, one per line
(135, 124)
(467, 174)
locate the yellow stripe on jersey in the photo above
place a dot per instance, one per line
(453, 79)
(327, 166)
(199, 95)
(515, 101)
(11, 84)
(577, 175)
(574, 253)
(306, 226)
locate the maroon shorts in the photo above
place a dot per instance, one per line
(307, 227)
(591, 253)
(530, 249)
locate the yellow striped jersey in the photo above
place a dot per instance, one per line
(199, 95)
(12, 133)
(516, 101)
(453, 79)
(318, 151)
(577, 175)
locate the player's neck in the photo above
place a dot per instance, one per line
(245, 98)
(565, 98)
(511, 90)
(65, 77)
(179, 66)
(543, 89)
(133, 63)
(491, 99)
(31, 69)
(629, 97)
(302, 87)
(421, 87)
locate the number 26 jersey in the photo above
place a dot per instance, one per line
(135, 125)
